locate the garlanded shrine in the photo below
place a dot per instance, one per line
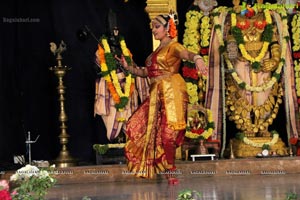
(252, 89)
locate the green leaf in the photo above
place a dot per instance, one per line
(123, 103)
(239, 136)
(100, 148)
(238, 35)
(266, 146)
(242, 85)
(255, 66)
(268, 33)
(222, 49)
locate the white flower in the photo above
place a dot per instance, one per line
(25, 173)
(14, 177)
(43, 174)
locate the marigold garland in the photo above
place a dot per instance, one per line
(256, 144)
(266, 37)
(296, 51)
(108, 70)
(191, 35)
(276, 74)
(205, 30)
(191, 39)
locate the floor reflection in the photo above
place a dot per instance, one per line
(258, 187)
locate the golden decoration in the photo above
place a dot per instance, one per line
(239, 110)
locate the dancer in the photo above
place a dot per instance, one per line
(157, 127)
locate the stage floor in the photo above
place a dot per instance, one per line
(185, 169)
(235, 179)
(241, 179)
(256, 187)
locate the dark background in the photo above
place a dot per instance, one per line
(28, 95)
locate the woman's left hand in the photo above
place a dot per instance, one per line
(201, 67)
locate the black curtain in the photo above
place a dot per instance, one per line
(29, 99)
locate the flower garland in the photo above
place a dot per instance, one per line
(191, 42)
(201, 133)
(296, 51)
(108, 70)
(196, 39)
(248, 87)
(205, 30)
(276, 74)
(191, 35)
(192, 90)
(267, 38)
(217, 26)
(256, 144)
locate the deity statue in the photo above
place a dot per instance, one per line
(117, 92)
(251, 110)
(257, 78)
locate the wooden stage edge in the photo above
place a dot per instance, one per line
(185, 169)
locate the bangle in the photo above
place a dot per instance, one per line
(196, 57)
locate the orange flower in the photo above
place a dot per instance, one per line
(131, 89)
(172, 28)
(100, 53)
(113, 92)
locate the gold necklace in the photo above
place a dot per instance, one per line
(238, 109)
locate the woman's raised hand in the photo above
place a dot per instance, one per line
(201, 67)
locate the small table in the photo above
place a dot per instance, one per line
(191, 145)
(202, 155)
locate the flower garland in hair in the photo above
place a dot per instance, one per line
(108, 70)
(266, 37)
(296, 51)
(172, 28)
(172, 23)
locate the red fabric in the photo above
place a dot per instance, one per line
(152, 67)
(162, 145)
(298, 151)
